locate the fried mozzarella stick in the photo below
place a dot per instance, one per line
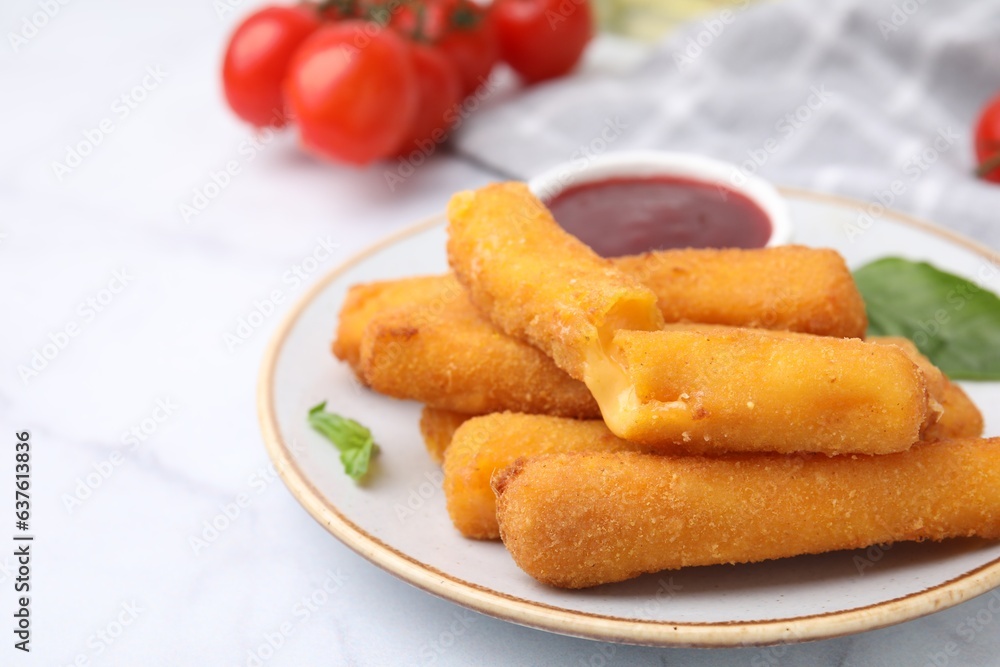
(485, 445)
(791, 288)
(960, 418)
(578, 520)
(456, 360)
(438, 428)
(474, 448)
(539, 284)
(364, 301)
(438, 313)
(708, 389)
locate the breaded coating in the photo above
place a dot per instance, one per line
(485, 445)
(365, 300)
(790, 288)
(538, 283)
(714, 389)
(959, 416)
(438, 428)
(578, 520)
(455, 360)
(808, 286)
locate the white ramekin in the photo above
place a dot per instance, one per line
(662, 163)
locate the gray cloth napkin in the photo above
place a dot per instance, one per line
(843, 97)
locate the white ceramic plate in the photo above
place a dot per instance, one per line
(398, 520)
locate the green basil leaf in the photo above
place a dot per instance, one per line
(355, 461)
(953, 321)
(353, 440)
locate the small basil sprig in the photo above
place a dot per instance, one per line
(352, 439)
(953, 321)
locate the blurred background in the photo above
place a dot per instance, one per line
(138, 211)
(650, 20)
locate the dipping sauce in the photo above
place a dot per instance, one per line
(630, 215)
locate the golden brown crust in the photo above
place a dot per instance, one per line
(819, 281)
(792, 288)
(541, 285)
(438, 428)
(485, 445)
(455, 360)
(789, 288)
(537, 283)
(959, 416)
(711, 389)
(365, 300)
(578, 520)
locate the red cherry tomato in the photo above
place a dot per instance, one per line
(353, 91)
(440, 93)
(543, 39)
(420, 20)
(988, 141)
(464, 32)
(407, 19)
(256, 60)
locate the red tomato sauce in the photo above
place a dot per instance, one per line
(627, 216)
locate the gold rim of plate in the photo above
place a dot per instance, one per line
(579, 623)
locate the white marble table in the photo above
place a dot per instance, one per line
(141, 407)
